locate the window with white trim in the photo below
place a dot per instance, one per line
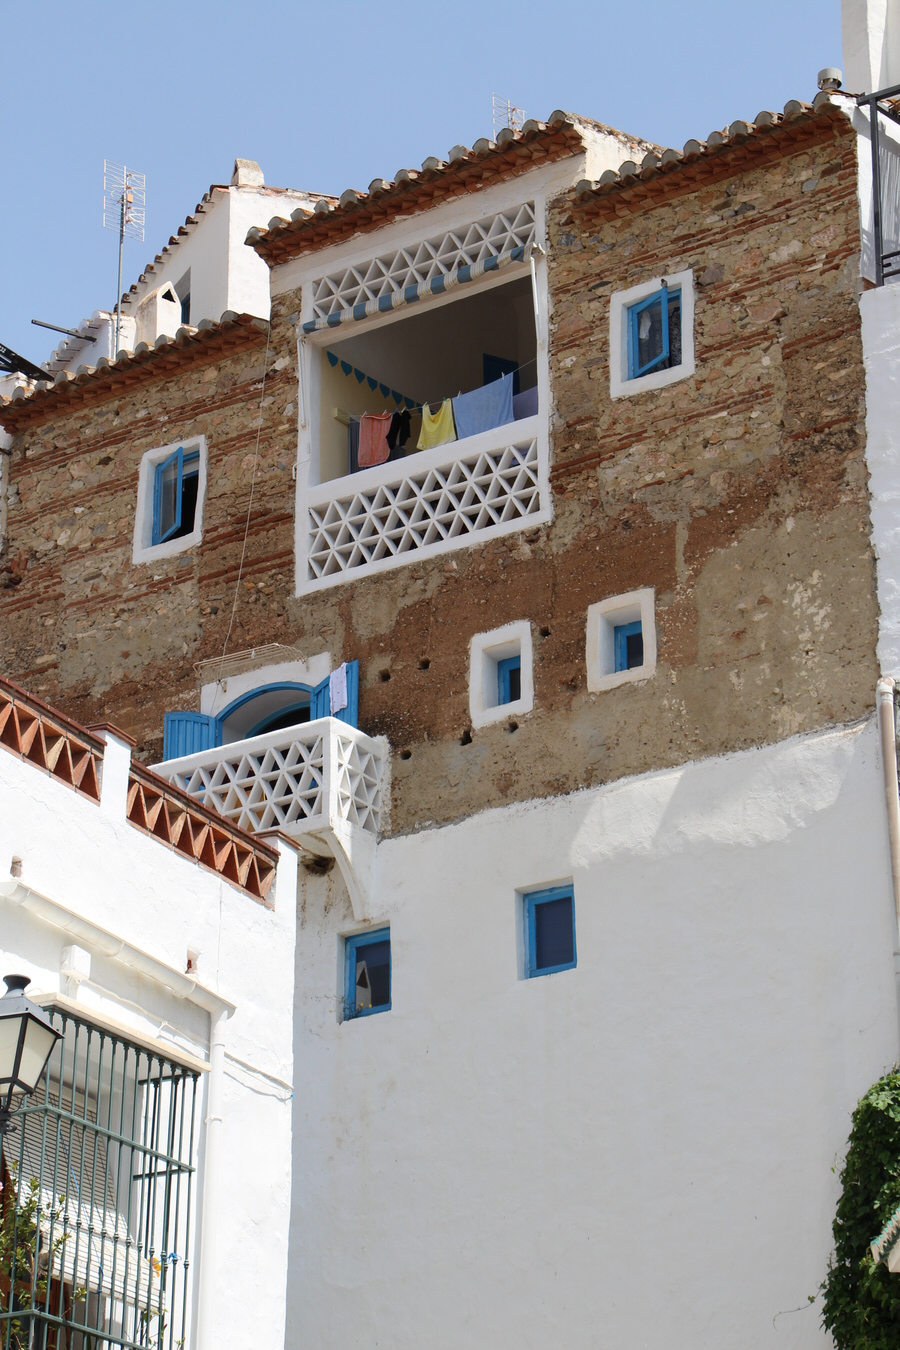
(501, 680)
(651, 334)
(621, 640)
(171, 495)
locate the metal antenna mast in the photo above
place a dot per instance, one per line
(506, 114)
(124, 197)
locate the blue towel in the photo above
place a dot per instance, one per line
(482, 409)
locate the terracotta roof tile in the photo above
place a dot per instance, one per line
(648, 182)
(465, 170)
(207, 342)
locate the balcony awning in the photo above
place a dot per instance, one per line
(423, 291)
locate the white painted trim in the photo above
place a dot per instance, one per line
(144, 550)
(485, 650)
(620, 302)
(114, 948)
(602, 619)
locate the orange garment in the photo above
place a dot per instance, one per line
(373, 446)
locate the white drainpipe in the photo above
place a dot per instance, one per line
(884, 694)
(208, 1273)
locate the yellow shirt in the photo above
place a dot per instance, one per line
(437, 428)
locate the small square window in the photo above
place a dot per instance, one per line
(170, 500)
(500, 674)
(367, 978)
(651, 334)
(175, 486)
(654, 333)
(621, 640)
(549, 931)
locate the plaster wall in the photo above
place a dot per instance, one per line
(90, 860)
(636, 1152)
(870, 31)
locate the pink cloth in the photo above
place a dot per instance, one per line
(373, 446)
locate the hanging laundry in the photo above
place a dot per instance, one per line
(484, 408)
(337, 689)
(526, 403)
(353, 443)
(437, 428)
(399, 431)
(373, 446)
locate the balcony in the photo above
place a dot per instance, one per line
(437, 500)
(323, 782)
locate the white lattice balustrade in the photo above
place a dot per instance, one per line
(301, 779)
(424, 260)
(451, 499)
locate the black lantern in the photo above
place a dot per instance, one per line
(27, 1038)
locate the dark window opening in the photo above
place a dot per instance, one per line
(368, 978)
(551, 931)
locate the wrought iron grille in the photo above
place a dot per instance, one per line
(95, 1207)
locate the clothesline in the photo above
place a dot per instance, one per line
(416, 408)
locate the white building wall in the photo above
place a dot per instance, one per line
(90, 860)
(637, 1152)
(880, 311)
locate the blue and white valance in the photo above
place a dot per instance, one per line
(438, 285)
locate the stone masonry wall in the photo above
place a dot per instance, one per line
(740, 494)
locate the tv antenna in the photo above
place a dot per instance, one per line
(124, 197)
(506, 114)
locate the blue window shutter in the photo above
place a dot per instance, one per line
(161, 531)
(320, 699)
(184, 733)
(319, 705)
(350, 714)
(621, 634)
(660, 298)
(509, 675)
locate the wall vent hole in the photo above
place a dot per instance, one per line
(514, 726)
(384, 676)
(406, 754)
(544, 632)
(466, 738)
(424, 664)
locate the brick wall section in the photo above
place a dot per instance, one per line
(740, 494)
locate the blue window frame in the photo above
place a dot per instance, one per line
(176, 482)
(509, 679)
(628, 639)
(549, 931)
(654, 333)
(367, 973)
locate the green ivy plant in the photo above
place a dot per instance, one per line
(862, 1299)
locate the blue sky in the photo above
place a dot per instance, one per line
(331, 96)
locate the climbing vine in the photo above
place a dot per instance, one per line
(862, 1300)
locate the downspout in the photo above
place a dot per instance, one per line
(209, 1231)
(884, 694)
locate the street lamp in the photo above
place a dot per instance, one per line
(27, 1038)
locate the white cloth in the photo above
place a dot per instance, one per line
(337, 689)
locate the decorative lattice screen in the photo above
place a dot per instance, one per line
(438, 256)
(468, 497)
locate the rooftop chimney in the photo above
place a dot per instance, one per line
(247, 173)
